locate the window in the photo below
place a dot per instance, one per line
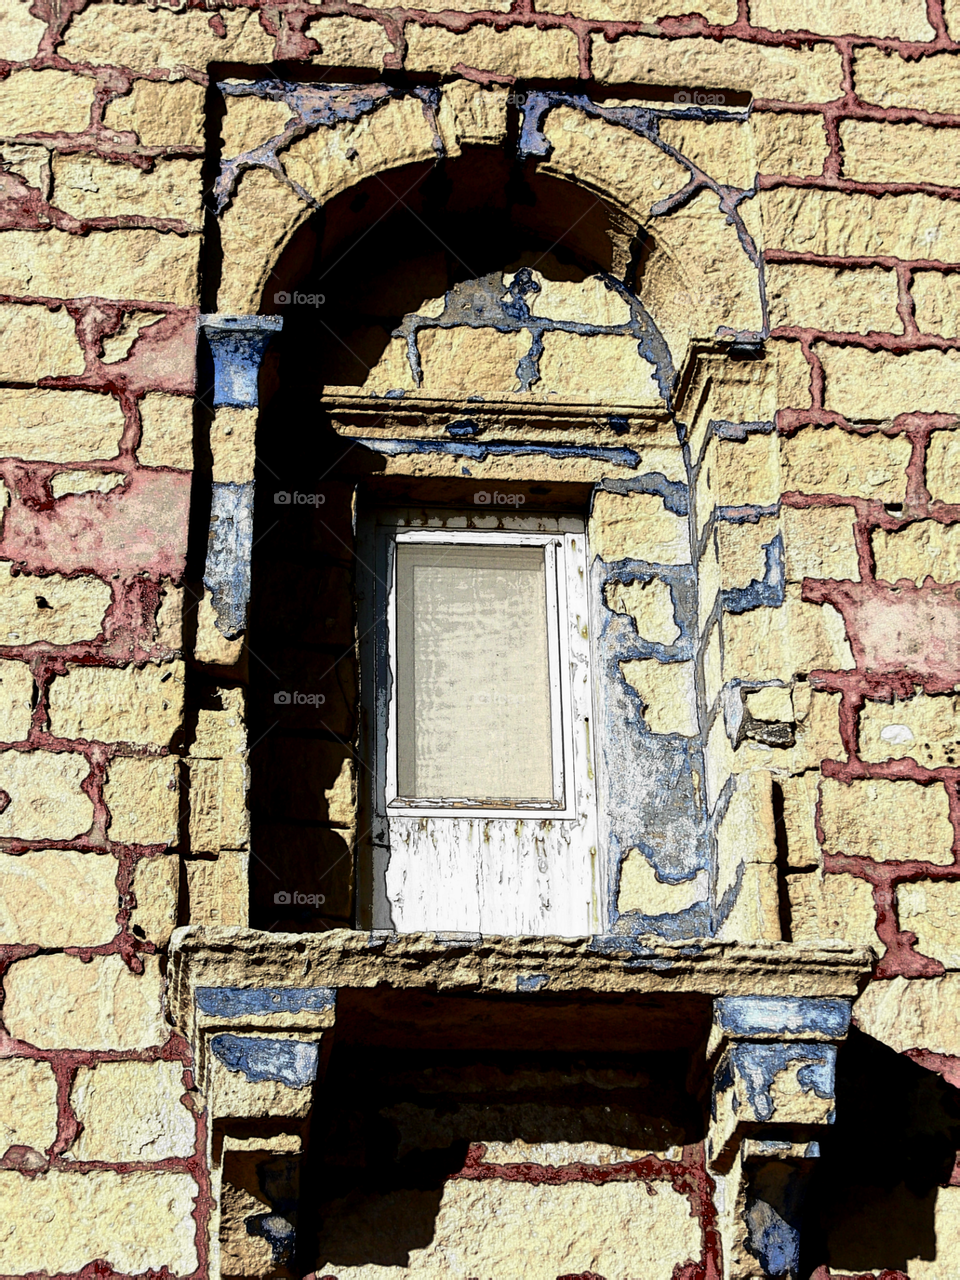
(483, 794)
(478, 701)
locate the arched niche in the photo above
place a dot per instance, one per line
(444, 266)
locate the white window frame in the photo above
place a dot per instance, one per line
(557, 547)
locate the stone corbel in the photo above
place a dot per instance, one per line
(773, 1062)
(237, 345)
(259, 1055)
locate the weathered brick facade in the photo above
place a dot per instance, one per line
(673, 293)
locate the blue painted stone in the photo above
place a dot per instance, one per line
(786, 1015)
(756, 1066)
(532, 981)
(227, 572)
(766, 592)
(292, 1062)
(237, 344)
(619, 457)
(738, 430)
(236, 1002)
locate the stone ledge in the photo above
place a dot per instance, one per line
(528, 967)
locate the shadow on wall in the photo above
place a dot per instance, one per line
(873, 1197)
(405, 1122)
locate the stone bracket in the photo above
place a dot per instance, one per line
(259, 1055)
(774, 1062)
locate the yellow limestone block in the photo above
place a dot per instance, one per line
(61, 1222)
(518, 51)
(791, 75)
(902, 19)
(910, 1013)
(641, 889)
(132, 1111)
(166, 435)
(143, 798)
(881, 152)
(125, 704)
(46, 802)
(37, 342)
(927, 729)
(44, 101)
(668, 694)
(141, 264)
(918, 551)
(887, 820)
(877, 384)
(637, 526)
(931, 910)
(158, 39)
(161, 113)
(57, 1002)
(943, 466)
(58, 898)
(830, 460)
(832, 299)
(832, 908)
(28, 1104)
(833, 222)
(59, 426)
(649, 604)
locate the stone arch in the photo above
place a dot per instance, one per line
(296, 148)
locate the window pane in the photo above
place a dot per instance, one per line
(473, 679)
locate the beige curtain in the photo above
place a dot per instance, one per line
(473, 695)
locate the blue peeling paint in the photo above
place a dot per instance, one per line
(774, 1240)
(757, 1064)
(738, 430)
(237, 344)
(488, 303)
(226, 574)
(644, 122)
(793, 1015)
(312, 107)
(279, 1232)
(648, 794)
(675, 494)
(291, 1062)
(465, 429)
(480, 452)
(279, 1181)
(766, 592)
(532, 981)
(747, 514)
(237, 1002)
